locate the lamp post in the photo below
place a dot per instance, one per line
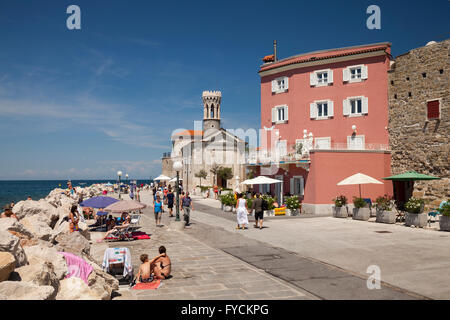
(119, 174)
(177, 166)
(126, 176)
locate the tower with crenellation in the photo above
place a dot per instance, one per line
(211, 109)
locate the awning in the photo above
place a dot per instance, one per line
(411, 176)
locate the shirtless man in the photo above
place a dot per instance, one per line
(144, 274)
(161, 265)
(8, 212)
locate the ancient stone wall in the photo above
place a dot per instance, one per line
(418, 144)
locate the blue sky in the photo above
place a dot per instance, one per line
(85, 103)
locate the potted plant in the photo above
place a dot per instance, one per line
(293, 205)
(444, 219)
(361, 210)
(340, 207)
(298, 148)
(270, 205)
(384, 210)
(414, 213)
(228, 201)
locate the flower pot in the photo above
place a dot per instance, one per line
(228, 208)
(444, 223)
(361, 214)
(386, 216)
(416, 219)
(340, 212)
(292, 212)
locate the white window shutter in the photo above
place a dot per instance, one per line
(286, 83)
(312, 79)
(291, 187)
(312, 110)
(330, 76)
(330, 108)
(302, 186)
(286, 117)
(346, 74)
(364, 72)
(346, 107)
(365, 105)
(274, 84)
(274, 114)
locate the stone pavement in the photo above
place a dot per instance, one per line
(199, 271)
(415, 260)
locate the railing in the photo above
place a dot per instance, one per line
(167, 154)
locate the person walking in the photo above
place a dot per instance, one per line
(257, 205)
(170, 199)
(241, 212)
(187, 206)
(158, 210)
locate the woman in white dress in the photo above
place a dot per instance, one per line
(241, 212)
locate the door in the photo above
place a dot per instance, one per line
(278, 188)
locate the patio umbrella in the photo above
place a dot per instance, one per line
(411, 176)
(162, 177)
(265, 180)
(175, 179)
(125, 206)
(358, 179)
(98, 202)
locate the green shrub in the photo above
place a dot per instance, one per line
(293, 203)
(340, 201)
(228, 199)
(359, 202)
(445, 209)
(414, 205)
(384, 203)
(249, 203)
(204, 188)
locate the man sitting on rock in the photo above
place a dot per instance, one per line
(8, 212)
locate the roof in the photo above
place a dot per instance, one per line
(189, 133)
(325, 54)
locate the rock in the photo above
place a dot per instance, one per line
(41, 253)
(76, 289)
(7, 264)
(11, 244)
(39, 272)
(30, 208)
(73, 242)
(19, 290)
(14, 227)
(38, 227)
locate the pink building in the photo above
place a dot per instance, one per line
(335, 104)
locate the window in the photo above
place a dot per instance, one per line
(441, 71)
(321, 78)
(355, 73)
(280, 114)
(355, 106)
(321, 109)
(280, 85)
(355, 142)
(434, 109)
(322, 143)
(297, 186)
(424, 75)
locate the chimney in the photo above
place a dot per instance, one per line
(275, 50)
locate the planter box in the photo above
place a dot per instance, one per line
(228, 208)
(444, 223)
(416, 219)
(386, 217)
(340, 212)
(361, 214)
(268, 213)
(292, 212)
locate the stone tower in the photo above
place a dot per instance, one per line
(211, 109)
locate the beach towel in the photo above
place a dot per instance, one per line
(155, 284)
(118, 255)
(139, 235)
(77, 267)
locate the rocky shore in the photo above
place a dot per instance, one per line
(30, 265)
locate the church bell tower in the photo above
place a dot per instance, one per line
(211, 109)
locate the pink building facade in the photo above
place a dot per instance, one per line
(329, 113)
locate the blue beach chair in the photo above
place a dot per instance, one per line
(435, 213)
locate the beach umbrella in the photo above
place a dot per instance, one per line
(125, 206)
(261, 180)
(162, 177)
(175, 179)
(411, 176)
(98, 202)
(358, 179)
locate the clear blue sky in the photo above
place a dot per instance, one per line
(85, 103)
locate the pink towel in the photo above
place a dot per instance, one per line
(77, 267)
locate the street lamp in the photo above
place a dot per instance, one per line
(119, 174)
(177, 166)
(126, 176)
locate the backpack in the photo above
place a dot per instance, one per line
(265, 204)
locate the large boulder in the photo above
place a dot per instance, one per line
(11, 244)
(42, 208)
(42, 253)
(14, 227)
(38, 226)
(20, 290)
(7, 264)
(76, 289)
(73, 242)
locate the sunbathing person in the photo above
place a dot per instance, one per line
(144, 273)
(125, 224)
(161, 265)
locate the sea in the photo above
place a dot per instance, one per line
(19, 190)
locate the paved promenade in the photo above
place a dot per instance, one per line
(199, 271)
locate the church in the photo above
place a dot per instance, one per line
(207, 147)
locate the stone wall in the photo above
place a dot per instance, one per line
(418, 144)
